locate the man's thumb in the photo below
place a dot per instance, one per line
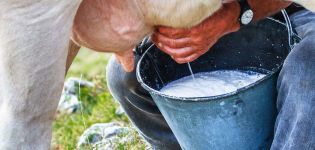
(126, 59)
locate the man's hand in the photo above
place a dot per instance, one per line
(186, 45)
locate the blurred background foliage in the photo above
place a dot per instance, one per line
(98, 104)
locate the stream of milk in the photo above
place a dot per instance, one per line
(211, 83)
(190, 70)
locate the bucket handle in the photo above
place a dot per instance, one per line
(156, 69)
(291, 39)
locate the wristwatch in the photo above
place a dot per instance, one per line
(247, 14)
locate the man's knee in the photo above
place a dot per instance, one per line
(114, 76)
(296, 98)
(298, 70)
(301, 58)
(120, 83)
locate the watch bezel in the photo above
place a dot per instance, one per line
(245, 9)
(244, 18)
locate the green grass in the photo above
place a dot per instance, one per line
(89, 63)
(98, 104)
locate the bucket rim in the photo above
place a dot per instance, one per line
(208, 98)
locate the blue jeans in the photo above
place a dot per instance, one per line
(295, 125)
(295, 129)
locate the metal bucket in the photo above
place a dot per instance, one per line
(242, 120)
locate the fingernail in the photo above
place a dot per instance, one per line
(160, 44)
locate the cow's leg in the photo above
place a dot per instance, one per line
(34, 38)
(72, 53)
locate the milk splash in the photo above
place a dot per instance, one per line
(211, 83)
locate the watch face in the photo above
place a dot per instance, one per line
(247, 17)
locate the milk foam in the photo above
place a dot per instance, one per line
(211, 83)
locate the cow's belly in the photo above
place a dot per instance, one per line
(113, 26)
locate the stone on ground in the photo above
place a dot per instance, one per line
(69, 101)
(105, 136)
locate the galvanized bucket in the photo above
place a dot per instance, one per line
(242, 120)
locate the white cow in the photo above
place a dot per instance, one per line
(34, 40)
(309, 4)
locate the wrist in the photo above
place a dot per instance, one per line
(232, 11)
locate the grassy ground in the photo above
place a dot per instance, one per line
(98, 105)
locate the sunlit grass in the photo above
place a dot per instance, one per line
(98, 104)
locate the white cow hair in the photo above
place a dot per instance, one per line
(308, 4)
(34, 37)
(178, 13)
(187, 13)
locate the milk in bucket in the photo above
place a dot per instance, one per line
(213, 83)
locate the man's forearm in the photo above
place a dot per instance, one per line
(265, 8)
(186, 45)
